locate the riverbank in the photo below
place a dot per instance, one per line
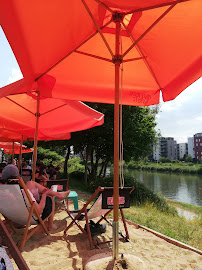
(175, 166)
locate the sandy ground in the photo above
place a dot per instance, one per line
(57, 252)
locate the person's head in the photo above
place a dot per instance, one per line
(10, 172)
(41, 167)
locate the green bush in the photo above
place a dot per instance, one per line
(74, 165)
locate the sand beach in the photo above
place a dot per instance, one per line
(72, 252)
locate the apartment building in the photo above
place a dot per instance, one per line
(191, 150)
(182, 150)
(166, 147)
(198, 146)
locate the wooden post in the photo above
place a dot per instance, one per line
(36, 137)
(117, 61)
(20, 154)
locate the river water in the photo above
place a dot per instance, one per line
(178, 187)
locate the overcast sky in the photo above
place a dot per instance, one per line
(180, 118)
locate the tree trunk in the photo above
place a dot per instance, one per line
(86, 168)
(95, 168)
(102, 168)
(105, 168)
(66, 161)
(92, 163)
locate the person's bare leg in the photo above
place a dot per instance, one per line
(60, 195)
(50, 220)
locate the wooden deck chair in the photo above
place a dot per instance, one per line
(101, 208)
(13, 207)
(13, 250)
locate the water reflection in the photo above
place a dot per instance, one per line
(178, 187)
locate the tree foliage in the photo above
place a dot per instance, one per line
(97, 143)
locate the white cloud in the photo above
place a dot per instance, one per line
(15, 75)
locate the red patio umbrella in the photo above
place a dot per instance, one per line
(17, 151)
(40, 118)
(75, 51)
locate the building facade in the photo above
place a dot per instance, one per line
(166, 147)
(198, 146)
(191, 150)
(182, 150)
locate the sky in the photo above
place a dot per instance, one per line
(180, 118)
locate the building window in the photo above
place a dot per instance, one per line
(196, 144)
(196, 140)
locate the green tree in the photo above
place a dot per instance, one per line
(189, 158)
(97, 144)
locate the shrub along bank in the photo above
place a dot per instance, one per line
(177, 167)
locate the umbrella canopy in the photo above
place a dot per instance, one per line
(9, 146)
(40, 118)
(75, 49)
(17, 151)
(164, 38)
(57, 118)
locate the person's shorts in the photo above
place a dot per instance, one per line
(47, 209)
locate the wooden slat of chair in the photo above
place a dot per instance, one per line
(14, 251)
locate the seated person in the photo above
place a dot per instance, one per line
(44, 205)
(41, 175)
(25, 165)
(52, 172)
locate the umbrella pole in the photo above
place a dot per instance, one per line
(12, 153)
(20, 154)
(117, 61)
(36, 138)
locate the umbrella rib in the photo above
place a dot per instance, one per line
(94, 56)
(102, 4)
(22, 93)
(54, 109)
(82, 43)
(151, 26)
(98, 28)
(134, 59)
(155, 6)
(143, 57)
(19, 105)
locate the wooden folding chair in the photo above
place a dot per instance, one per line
(14, 251)
(13, 207)
(101, 208)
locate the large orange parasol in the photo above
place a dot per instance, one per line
(75, 50)
(41, 118)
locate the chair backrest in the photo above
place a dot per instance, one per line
(13, 206)
(26, 175)
(63, 182)
(96, 209)
(105, 201)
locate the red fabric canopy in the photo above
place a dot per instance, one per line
(10, 145)
(46, 38)
(17, 151)
(58, 117)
